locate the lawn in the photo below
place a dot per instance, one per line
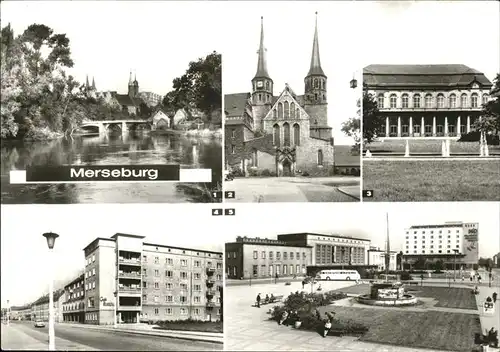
(434, 330)
(205, 326)
(432, 180)
(447, 297)
(426, 146)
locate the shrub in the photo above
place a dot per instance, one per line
(405, 275)
(474, 136)
(266, 173)
(305, 174)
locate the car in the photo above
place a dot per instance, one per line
(39, 324)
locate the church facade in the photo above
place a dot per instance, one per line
(285, 134)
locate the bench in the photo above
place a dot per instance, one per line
(263, 302)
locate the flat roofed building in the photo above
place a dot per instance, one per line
(376, 257)
(451, 242)
(427, 101)
(150, 282)
(265, 258)
(328, 250)
(74, 302)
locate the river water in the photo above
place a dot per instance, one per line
(122, 149)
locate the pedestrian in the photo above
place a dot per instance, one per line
(479, 278)
(494, 296)
(266, 300)
(327, 328)
(463, 278)
(303, 283)
(470, 278)
(276, 277)
(258, 300)
(284, 316)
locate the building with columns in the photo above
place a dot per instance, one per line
(427, 101)
(377, 257)
(285, 134)
(141, 281)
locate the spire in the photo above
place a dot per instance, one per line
(93, 83)
(262, 64)
(315, 68)
(87, 82)
(130, 78)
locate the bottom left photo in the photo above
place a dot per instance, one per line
(111, 277)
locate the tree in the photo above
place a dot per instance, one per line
(438, 266)
(352, 128)
(485, 262)
(373, 123)
(399, 260)
(490, 121)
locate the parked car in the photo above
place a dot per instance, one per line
(39, 324)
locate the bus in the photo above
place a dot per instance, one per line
(338, 275)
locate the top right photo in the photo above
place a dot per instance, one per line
(431, 102)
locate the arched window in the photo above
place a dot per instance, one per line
(428, 101)
(315, 96)
(440, 101)
(267, 85)
(260, 97)
(280, 110)
(404, 101)
(463, 101)
(453, 101)
(486, 97)
(287, 109)
(276, 135)
(297, 113)
(380, 101)
(255, 160)
(316, 83)
(296, 134)
(474, 100)
(275, 113)
(320, 157)
(292, 110)
(393, 101)
(416, 101)
(286, 134)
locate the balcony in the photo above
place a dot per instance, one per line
(210, 271)
(130, 274)
(130, 308)
(129, 261)
(210, 282)
(129, 289)
(210, 304)
(210, 293)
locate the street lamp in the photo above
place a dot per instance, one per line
(115, 324)
(455, 251)
(354, 82)
(51, 239)
(8, 308)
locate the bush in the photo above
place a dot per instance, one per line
(305, 174)
(405, 275)
(474, 136)
(266, 173)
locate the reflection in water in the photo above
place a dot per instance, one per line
(121, 149)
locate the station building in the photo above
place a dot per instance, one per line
(141, 281)
(453, 243)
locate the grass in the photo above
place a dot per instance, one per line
(448, 297)
(434, 330)
(201, 326)
(426, 146)
(435, 180)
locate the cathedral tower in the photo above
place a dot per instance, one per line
(315, 93)
(262, 84)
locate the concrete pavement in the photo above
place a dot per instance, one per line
(488, 320)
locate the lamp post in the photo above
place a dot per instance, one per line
(354, 82)
(51, 239)
(455, 251)
(8, 308)
(115, 324)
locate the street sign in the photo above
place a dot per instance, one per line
(489, 308)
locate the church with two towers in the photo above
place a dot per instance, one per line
(280, 135)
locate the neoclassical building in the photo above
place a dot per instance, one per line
(285, 134)
(427, 101)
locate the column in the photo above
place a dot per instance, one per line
(387, 127)
(446, 126)
(422, 127)
(434, 126)
(468, 124)
(399, 126)
(410, 130)
(458, 126)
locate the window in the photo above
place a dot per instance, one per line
(485, 99)
(254, 270)
(157, 272)
(197, 263)
(428, 101)
(168, 285)
(271, 255)
(183, 299)
(404, 101)
(183, 275)
(416, 101)
(275, 113)
(453, 101)
(233, 149)
(320, 157)
(285, 255)
(168, 311)
(440, 101)
(144, 259)
(183, 262)
(255, 255)
(169, 299)
(263, 254)
(280, 110)
(278, 255)
(197, 288)
(170, 261)
(183, 311)
(156, 298)
(93, 258)
(169, 273)
(197, 311)
(276, 135)
(292, 110)
(393, 101)
(196, 299)
(291, 255)
(183, 287)
(296, 134)
(463, 101)
(286, 134)
(144, 298)
(197, 276)
(157, 285)
(380, 101)
(474, 100)
(157, 260)
(286, 110)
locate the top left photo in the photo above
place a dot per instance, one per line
(110, 102)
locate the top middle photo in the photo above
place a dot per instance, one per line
(292, 104)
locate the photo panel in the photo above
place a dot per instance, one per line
(118, 281)
(291, 109)
(334, 282)
(114, 102)
(430, 111)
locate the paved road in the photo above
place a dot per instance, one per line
(293, 189)
(23, 335)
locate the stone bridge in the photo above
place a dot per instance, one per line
(103, 126)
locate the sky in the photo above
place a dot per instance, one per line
(24, 250)
(366, 220)
(108, 39)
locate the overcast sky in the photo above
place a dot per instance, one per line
(24, 250)
(367, 220)
(158, 39)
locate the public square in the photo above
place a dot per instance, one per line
(440, 322)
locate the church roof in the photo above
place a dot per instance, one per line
(315, 68)
(423, 75)
(125, 99)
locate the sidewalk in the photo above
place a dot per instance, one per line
(143, 329)
(488, 320)
(13, 338)
(353, 191)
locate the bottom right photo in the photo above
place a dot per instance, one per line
(369, 277)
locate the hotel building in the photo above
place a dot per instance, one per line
(133, 281)
(427, 101)
(331, 250)
(74, 302)
(451, 242)
(262, 257)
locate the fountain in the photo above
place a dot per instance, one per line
(387, 293)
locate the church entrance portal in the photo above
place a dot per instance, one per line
(287, 168)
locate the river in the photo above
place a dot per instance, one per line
(122, 149)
